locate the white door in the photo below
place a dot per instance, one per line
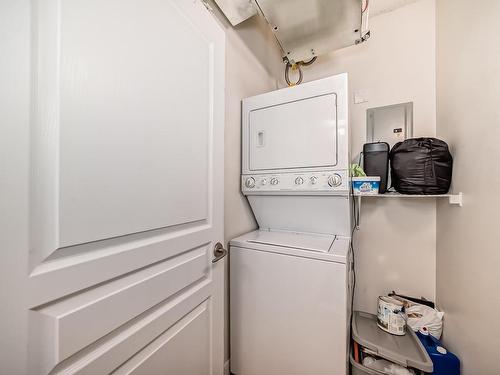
(111, 165)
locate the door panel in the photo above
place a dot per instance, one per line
(108, 259)
(143, 103)
(119, 148)
(126, 187)
(114, 303)
(108, 353)
(168, 355)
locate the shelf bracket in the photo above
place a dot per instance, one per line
(456, 199)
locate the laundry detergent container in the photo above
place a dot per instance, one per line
(445, 362)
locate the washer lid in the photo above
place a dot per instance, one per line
(318, 246)
(303, 241)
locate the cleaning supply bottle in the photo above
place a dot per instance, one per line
(445, 362)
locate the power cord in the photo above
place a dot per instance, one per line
(296, 66)
(352, 253)
(351, 256)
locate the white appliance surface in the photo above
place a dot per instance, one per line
(289, 304)
(302, 127)
(317, 246)
(295, 157)
(305, 213)
(299, 134)
(304, 241)
(297, 183)
(289, 280)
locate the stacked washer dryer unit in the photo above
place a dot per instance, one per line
(289, 293)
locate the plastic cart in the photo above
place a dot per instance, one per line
(405, 350)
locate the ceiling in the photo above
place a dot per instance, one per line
(239, 10)
(378, 7)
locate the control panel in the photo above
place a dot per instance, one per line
(320, 182)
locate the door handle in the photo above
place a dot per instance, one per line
(260, 138)
(219, 252)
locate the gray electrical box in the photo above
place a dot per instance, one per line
(391, 124)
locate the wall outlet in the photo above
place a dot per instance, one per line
(361, 96)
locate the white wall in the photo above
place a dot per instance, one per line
(252, 61)
(245, 76)
(395, 248)
(468, 246)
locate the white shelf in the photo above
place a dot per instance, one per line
(455, 199)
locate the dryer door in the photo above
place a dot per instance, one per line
(294, 134)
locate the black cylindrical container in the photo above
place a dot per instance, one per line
(376, 162)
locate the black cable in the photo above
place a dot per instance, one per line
(308, 62)
(353, 269)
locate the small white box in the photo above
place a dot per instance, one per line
(365, 185)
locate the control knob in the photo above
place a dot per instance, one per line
(274, 181)
(250, 182)
(299, 181)
(313, 180)
(335, 180)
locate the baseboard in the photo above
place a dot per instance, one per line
(226, 368)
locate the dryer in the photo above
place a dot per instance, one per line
(295, 157)
(289, 286)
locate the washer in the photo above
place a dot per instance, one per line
(289, 304)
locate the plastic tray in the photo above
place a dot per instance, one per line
(359, 369)
(404, 350)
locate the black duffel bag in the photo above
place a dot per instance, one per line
(421, 166)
